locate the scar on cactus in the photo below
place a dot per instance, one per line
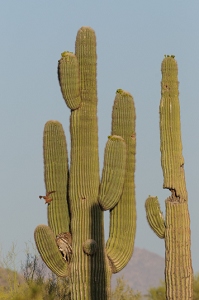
(73, 244)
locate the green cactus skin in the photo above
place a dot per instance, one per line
(113, 174)
(45, 242)
(69, 79)
(178, 264)
(170, 133)
(56, 175)
(178, 268)
(123, 216)
(155, 217)
(92, 262)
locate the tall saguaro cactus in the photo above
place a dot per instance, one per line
(175, 229)
(73, 244)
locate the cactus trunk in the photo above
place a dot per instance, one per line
(88, 272)
(176, 227)
(178, 267)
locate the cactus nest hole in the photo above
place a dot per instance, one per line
(90, 247)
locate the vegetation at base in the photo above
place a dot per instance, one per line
(35, 282)
(123, 291)
(157, 293)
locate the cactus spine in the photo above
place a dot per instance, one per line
(80, 197)
(176, 227)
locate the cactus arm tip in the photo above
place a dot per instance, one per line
(119, 91)
(122, 92)
(68, 76)
(65, 53)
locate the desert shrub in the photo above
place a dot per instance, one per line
(34, 282)
(37, 274)
(123, 291)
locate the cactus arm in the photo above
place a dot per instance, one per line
(120, 244)
(155, 216)
(56, 173)
(68, 75)
(47, 247)
(113, 173)
(170, 131)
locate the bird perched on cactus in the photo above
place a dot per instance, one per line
(64, 241)
(47, 198)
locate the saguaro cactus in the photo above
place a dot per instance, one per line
(73, 244)
(175, 229)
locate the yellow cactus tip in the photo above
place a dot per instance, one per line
(65, 53)
(119, 91)
(115, 138)
(171, 56)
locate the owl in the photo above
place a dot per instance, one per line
(64, 242)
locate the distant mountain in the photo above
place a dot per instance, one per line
(144, 270)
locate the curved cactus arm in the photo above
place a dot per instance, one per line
(113, 173)
(170, 131)
(56, 173)
(47, 247)
(154, 216)
(120, 244)
(68, 75)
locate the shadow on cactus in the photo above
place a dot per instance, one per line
(175, 229)
(73, 243)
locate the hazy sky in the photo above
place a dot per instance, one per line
(132, 39)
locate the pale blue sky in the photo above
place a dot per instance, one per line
(131, 42)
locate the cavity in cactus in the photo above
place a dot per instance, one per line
(73, 243)
(175, 229)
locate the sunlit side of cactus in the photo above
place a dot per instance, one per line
(81, 197)
(175, 229)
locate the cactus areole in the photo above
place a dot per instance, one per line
(175, 229)
(75, 215)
